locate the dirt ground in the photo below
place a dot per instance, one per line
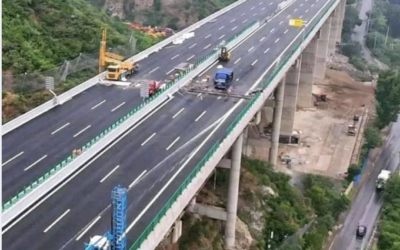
(325, 148)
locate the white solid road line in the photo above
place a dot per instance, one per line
(83, 168)
(221, 37)
(277, 40)
(262, 39)
(169, 72)
(265, 52)
(254, 62)
(251, 49)
(36, 162)
(112, 171)
(207, 46)
(148, 139)
(245, 21)
(88, 227)
(201, 115)
(189, 58)
(151, 71)
(237, 60)
(207, 36)
(180, 111)
(286, 31)
(172, 144)
(83, 130)
(13, 158)
(220, 28)
(272, 30)
(172, 58)
(63, 126)
(191, 47)
(233, 20)
(234, 28)
(117, 107)
(95, 106)
(55, 222)
(137, 179)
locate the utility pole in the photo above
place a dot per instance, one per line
(387, 34)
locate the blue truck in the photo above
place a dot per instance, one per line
(223, 78)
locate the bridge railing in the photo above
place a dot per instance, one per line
(152, 225)
(178, 82)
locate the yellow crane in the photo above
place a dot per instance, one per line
(116, 67)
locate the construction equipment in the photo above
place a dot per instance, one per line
(116, 67)
(154, 86)
(352, 130)
(321, 98)
(116, 240)
(224, 55)
(223, 78)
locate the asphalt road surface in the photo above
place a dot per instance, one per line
(34, 148)
(365, 209)
(154, 157)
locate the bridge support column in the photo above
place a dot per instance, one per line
(276, 123)
(322, 51)
(233, 193)
(334, 31)
(292, 80)
(342, 15)
(177, 231)
(308, 62)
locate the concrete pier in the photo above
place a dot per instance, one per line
(322, 51)
(276, 123)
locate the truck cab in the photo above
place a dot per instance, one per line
(383, 177)
(223, 78)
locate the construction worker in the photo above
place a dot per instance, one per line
(208, 78)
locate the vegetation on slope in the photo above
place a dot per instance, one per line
(385, 20)
(269, 203)
(389, 237)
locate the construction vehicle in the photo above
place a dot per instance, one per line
(351, 130)
(383, 177)
(116, 67)
(223, 78)
(154, 86)
(224, 55)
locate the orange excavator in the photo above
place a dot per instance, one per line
(116, 67)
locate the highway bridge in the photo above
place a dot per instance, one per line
(165, 157)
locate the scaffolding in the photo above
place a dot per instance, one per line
(118, 220)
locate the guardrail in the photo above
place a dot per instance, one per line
(22, 119)
(37, 189)
(232, 131)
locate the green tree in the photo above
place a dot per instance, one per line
(352, 171)
(372, 137)
(388, 98)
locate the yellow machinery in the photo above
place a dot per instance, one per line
(116, 68)
(224, 55)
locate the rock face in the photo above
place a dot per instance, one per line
(243, 236)
(116, 7)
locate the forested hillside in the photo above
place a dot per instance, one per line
(385, 20)
(40, 34)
